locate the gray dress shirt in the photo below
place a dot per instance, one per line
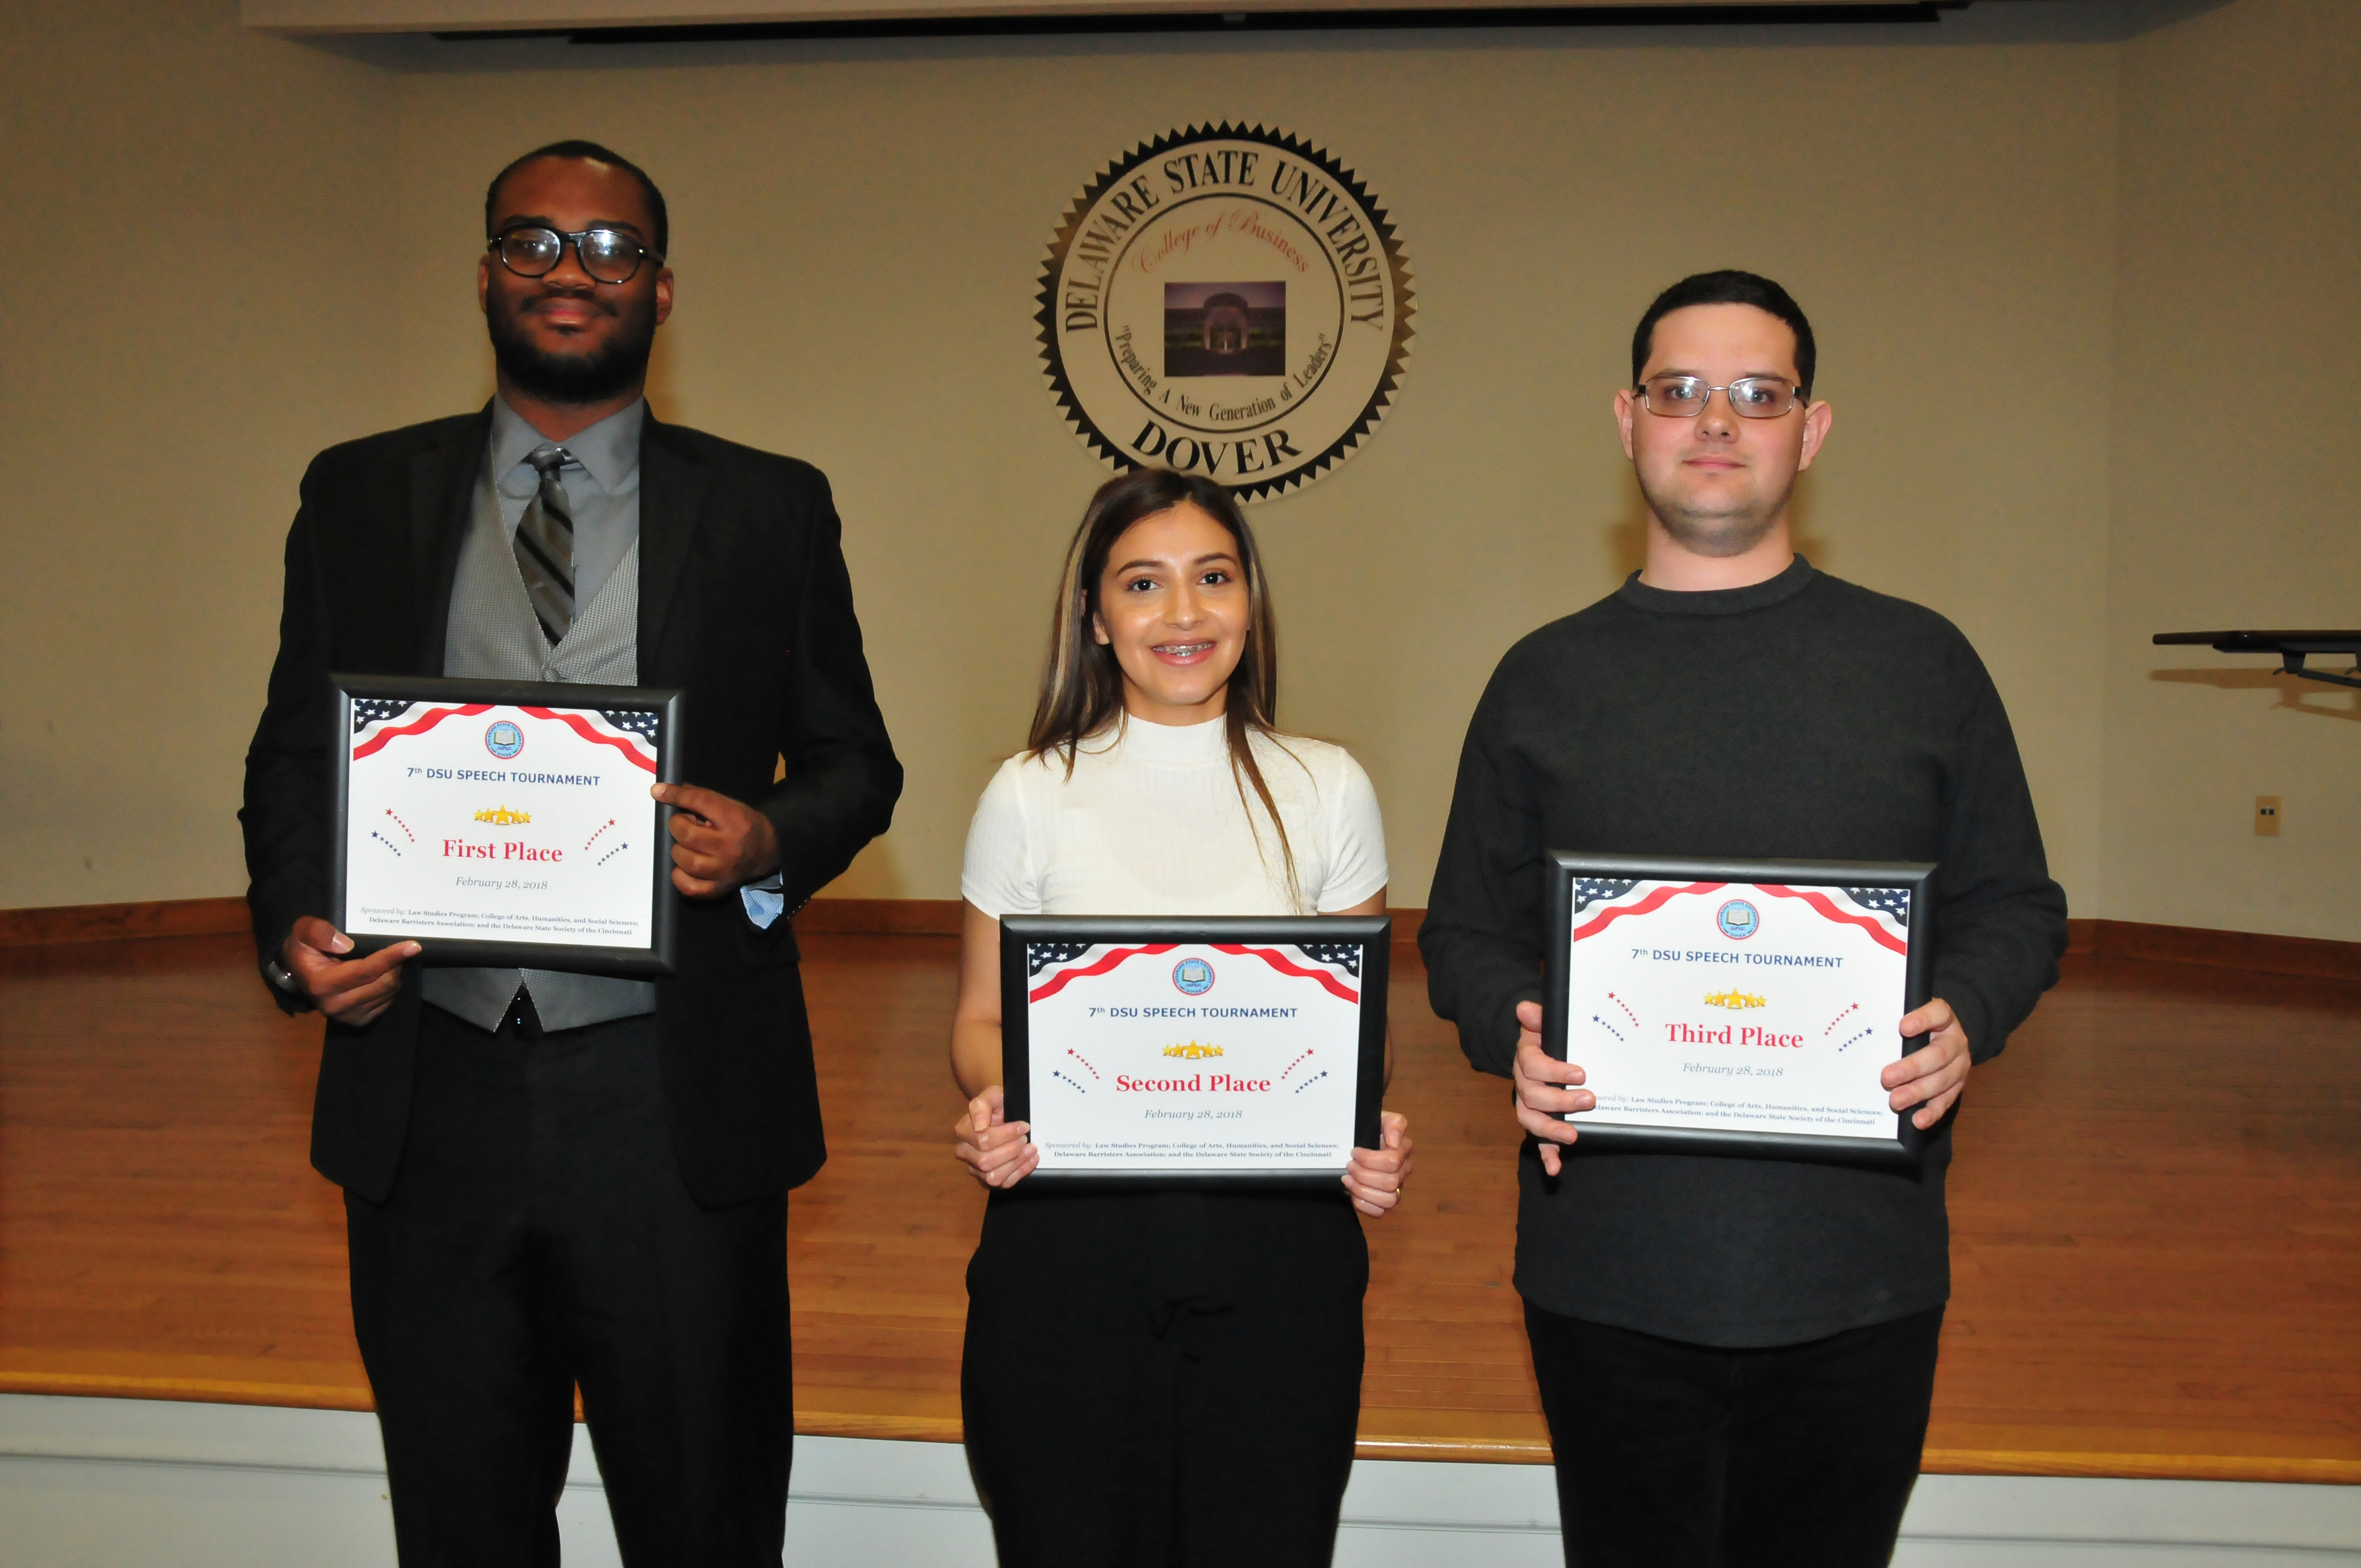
(493, 633)
(602, 487)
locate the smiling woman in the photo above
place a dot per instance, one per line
(1117, 1343)
(1175, 613)
(1165, 574)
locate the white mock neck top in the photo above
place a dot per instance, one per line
(1151, 823)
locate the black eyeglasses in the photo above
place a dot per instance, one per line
(609, 256)
(1753, 397)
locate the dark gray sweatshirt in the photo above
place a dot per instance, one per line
(1799, 719)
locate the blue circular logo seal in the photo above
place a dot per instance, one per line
(1193, 976)
(503, 740)
(1738, 920)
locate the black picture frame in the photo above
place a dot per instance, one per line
(1908, 1145)
(1374, 933)
(439, 950)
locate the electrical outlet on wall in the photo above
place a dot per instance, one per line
(2266, 816)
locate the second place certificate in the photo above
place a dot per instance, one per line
(1204, 1049)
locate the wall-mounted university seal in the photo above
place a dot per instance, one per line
(1228, 302)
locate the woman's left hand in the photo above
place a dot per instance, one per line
(997, 1151)
(1376, 1176)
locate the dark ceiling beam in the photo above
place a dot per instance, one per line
(1067, 22)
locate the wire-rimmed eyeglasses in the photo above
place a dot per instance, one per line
(1751, 397)
(534, 250)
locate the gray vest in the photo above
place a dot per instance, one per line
(493, 635)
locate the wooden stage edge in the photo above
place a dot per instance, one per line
(2253, 951)
(1471, 1448)
(2183, 1318)
(919, 1426)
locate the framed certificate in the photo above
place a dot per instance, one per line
(1738, 1008)
(1199, 1049)
(505, 822)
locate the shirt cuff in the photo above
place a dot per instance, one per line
(765, 900)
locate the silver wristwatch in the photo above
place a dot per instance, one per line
(282, 980)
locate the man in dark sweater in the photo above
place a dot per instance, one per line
(1735, 1356)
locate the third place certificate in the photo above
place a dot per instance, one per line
(1755, 1007)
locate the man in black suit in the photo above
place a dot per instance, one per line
(556, 1179)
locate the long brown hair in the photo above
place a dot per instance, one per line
(1082, 684)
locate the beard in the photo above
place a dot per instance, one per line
(592, 376)
(1711, 533)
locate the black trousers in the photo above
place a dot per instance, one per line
(1165, 1380)
(1674, 1455)
(539, 1235)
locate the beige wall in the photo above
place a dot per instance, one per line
(2241, 236)
(857, 230)
(856, 286)
(191, 213)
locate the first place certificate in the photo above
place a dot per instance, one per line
(1738, 1008)
(502, 822)
(1201, 1049)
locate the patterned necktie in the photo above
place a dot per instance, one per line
(544, 546)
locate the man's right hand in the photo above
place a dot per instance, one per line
(1545, 1088)
(351, 991)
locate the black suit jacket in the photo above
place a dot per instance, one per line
(745, 605)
